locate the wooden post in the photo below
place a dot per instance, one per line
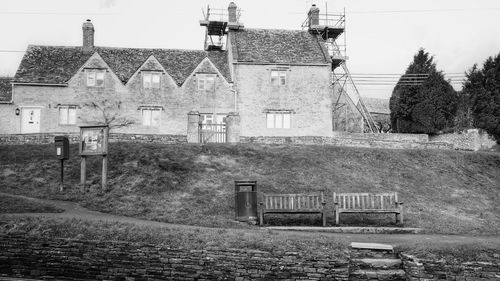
(83, 172)
(61, 187)
(104, 171)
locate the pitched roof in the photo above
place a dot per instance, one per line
(5, 89)
(375, 105)
(56, 65)
(278, 46)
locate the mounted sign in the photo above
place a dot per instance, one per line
(93, 140)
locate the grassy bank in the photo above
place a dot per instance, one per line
(443, 191)
(9, 204)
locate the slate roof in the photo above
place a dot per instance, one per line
(56, 64)
(278, 46)
(5, 89)
(375, 105)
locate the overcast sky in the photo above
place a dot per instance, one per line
(382, 36)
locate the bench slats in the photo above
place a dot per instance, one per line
(367, 203)
(293, 201)
(300, 203)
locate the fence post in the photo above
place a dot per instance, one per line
(233, 128)
(193, 127)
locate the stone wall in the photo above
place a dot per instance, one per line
(74, 137)
(472, 139)
(32, 257)
(426, 269)
(349, 141)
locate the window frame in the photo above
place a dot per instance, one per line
(279, 120)
(67, 109)
(151, 75)
(97, 77)
(151, 117)
(202, 79)
(279, 77)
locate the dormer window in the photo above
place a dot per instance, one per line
(151, 80)
(278, 77)
(206, 82)
(95, 78)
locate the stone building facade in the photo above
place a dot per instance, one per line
(277, 83)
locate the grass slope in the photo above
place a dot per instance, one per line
(443, 191)
(9, 204)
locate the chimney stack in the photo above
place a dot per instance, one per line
(88, 37)
(231, 10)
(313, 15)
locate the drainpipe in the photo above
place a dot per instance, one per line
(235, 98)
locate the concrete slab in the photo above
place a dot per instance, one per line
(353, 230)
(371, 246)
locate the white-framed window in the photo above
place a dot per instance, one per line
(279, 120)
(67, 115)
(278, 77)
(151, 116)
(151, 80)
(206, 82)
(95, 78)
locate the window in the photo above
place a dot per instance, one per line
(151, 117)
(67, 115)
(206, 82)
(151, 80)
(95, 78)
(279, 120)
(278, 77)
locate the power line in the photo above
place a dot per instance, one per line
(56, 13)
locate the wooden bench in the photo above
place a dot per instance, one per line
(368, 203)
(304, 203)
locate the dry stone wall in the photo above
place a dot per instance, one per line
(65, 259)
(472, 139)
(426, 269)
(74, 138)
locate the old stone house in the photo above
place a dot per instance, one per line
(277, 83)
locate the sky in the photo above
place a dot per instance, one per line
(381, 35)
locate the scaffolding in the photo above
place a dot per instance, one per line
(347, 100)
(217, 23)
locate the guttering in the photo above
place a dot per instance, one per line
(270, 63)
(40, 84)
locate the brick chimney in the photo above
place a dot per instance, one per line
(88, 37)
(231, 11)
(313, 15)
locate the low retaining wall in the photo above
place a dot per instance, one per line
(348, 141)
(49, 138)
(70, 259)
(31, 257)
(472, 139)
(425, 269)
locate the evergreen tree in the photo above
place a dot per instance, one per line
(427, 107)
(483, 90)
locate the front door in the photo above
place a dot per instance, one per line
(30, 120)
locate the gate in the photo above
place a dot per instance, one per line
(212, 133)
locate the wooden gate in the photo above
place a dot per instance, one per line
(212, 133)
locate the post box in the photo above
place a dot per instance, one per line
(62, 147)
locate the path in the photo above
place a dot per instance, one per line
(74, 211)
